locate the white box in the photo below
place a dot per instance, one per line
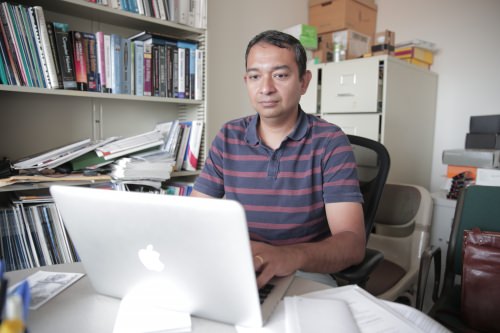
(489, 177)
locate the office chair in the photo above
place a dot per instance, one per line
(373, 163)
(402, 233)
(477, 206)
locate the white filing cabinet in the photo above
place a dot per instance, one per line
(385, 99)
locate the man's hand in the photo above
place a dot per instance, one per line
(270, 261)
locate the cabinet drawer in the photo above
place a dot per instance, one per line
(350, 86)
(365, 125)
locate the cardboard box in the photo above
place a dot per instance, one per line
(358, 15)
(306, 34)
(354, 43)
(387, 37)
(416, 53)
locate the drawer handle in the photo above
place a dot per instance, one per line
(345, 94)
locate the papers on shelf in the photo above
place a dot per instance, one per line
(131, 144)
(55, 178)
(157, 166)
(46, 285)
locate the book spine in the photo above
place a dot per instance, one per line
(175, 74)
(90, 54)
(107, 63)
(170, 70)
(155, 77)
(64, 48)
(181, 68)
(101, 62)
(198, 80)
(34, 49)
(147, 69)
(79, 60)
(162, 70)
(193, 149)
(126, 66)
(11, 42)
(116, 63)
(139, 68)
(53, 48)
(10, 61)
(21, 47)
(46, 48)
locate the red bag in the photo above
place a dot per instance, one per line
(481, 280)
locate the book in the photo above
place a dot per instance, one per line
(191, 48)
(414, 52)
(90, 54)
(64, 48)
(116, 57)
(126, 66)
(107, 62)
(46, 54)
(139, 67)
(181, 74)
(148, 69)
(198, 75)
(181, 152)
(79, 60)
(53, 47)
(12, 43)
(101, 61)
(10, 62)
(193, 147)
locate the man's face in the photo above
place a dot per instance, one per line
(273, 82)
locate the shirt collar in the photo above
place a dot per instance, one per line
(297, 134)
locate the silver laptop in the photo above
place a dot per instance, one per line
(189, 254)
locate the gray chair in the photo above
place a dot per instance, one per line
(401, 234)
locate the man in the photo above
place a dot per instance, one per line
(294, 174)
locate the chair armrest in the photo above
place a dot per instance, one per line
(358, 274)
(430, 253)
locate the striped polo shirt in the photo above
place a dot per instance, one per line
(283, 191)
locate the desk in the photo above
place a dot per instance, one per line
(79, 309)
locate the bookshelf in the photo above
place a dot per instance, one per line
(34, 120)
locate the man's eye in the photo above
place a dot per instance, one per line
(281, 76)
(253, 77)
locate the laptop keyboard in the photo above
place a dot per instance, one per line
(265, 291)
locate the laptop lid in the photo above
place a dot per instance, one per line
(187, 254)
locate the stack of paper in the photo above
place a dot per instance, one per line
(131, 145)
(151, 167)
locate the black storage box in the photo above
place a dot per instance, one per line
(485, 124)
(482, 141)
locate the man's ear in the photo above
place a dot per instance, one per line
(306, 78)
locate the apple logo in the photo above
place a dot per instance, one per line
(151, 259)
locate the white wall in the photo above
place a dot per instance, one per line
(468, 64)
(231, 25)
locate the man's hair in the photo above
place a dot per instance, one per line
(282, 40)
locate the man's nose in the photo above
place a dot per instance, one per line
(267, 85)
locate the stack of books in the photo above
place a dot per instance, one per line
(479, 160)
(417, 52)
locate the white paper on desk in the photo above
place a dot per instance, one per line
(303, 315)
(370, 313)
(275, 324)
(137, 315)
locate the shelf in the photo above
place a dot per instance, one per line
(101, 13)
(76, 93)
(45, 185)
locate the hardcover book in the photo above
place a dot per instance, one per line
(79, 60)
(90, 53)
(64, 48)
